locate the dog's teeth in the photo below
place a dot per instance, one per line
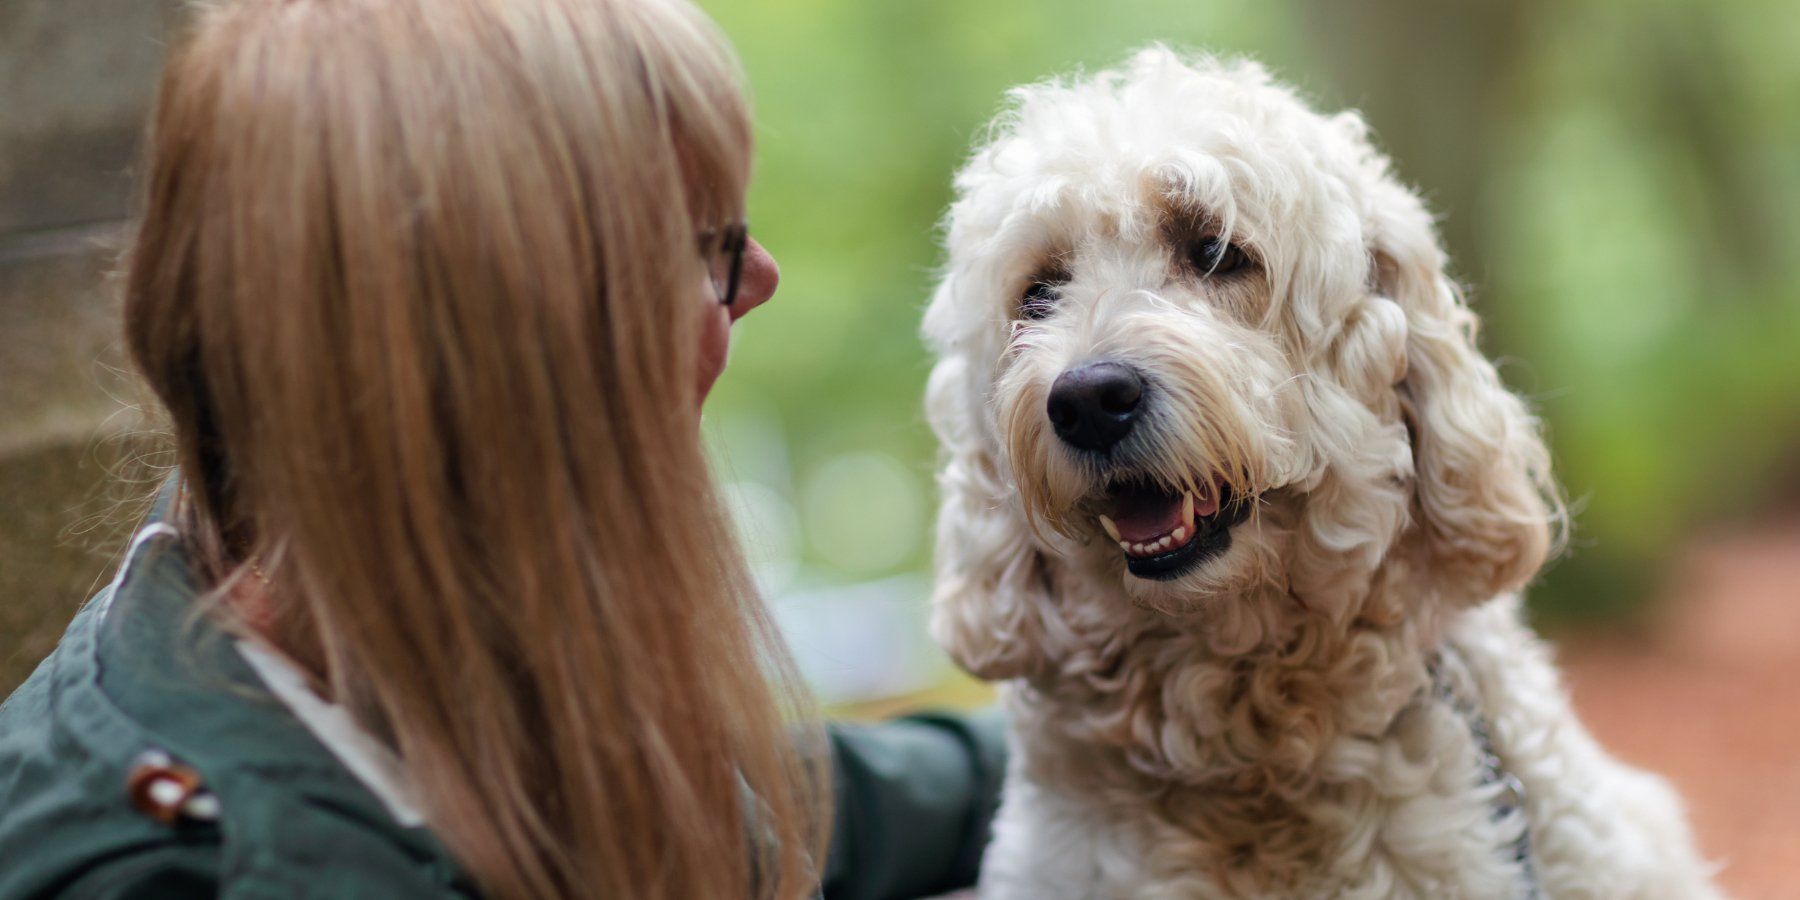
(1125, 545)
(1180, 535)
(1162, 544)
(1187, 508)
(1112, 530)
(1139, 549)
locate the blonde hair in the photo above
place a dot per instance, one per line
(416, 281)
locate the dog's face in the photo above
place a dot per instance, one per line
(1195, 341)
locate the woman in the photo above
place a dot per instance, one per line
(441, 599)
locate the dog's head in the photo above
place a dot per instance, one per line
(1196, 341)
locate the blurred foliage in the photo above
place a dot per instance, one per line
(1619, 182)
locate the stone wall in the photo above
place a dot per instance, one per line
(76, 78)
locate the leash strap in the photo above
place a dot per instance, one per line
(1511, 798)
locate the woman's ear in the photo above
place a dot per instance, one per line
(1486, 514)
(992, 596)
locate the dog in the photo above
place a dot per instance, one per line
(1238, 512)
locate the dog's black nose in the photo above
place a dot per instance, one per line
(1093, 406)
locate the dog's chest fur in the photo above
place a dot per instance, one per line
(1311, 768)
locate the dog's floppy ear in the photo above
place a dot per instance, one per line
(991, 605)
(1486, 514)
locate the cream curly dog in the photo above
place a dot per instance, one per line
(1235, 507)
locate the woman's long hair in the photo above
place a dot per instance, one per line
(418, 283)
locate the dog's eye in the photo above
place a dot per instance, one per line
(1039, 301)
(1214, 257)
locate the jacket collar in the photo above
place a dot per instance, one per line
(144, 668)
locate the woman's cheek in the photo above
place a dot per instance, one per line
(715, 346)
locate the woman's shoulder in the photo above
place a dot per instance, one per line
(144, 758)
(62, 831)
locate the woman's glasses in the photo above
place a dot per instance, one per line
(723, 249)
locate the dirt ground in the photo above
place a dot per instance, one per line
(1709, 696)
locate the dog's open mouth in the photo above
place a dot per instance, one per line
(1165, 532)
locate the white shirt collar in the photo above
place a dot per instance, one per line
(368, 759)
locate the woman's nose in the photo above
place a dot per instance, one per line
(757, 282)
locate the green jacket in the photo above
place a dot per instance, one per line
(139, 671)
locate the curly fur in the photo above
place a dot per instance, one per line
(1259, 726)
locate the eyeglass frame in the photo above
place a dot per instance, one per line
(726, 242)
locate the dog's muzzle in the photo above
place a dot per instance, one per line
(1163, 530)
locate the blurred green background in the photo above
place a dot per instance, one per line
(1618, 181)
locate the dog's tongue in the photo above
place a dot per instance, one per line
(1144, 513)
